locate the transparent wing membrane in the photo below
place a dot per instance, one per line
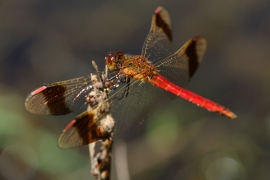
(136, 107)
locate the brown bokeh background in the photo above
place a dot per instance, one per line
(44, 41)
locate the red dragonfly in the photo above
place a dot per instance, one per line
(138, 77)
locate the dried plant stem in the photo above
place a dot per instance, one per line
(101, 161)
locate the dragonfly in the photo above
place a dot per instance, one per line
(138, 82)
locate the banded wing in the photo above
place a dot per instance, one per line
(68, 96)
(157, 44)
(181, 66)
(86, 128)
(60, 98)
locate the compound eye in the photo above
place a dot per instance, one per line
(113, 61)
(110, 61)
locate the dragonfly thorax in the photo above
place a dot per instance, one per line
(135, 66)
(138, 67)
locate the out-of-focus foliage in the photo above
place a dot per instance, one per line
(45, 41)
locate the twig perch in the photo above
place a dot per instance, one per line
(101, 161)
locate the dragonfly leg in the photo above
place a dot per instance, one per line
(126, 91)
(112, 78)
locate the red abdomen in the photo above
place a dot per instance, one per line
(165, 84)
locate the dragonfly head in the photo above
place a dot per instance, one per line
(114, 60)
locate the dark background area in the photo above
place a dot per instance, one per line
(46, 41)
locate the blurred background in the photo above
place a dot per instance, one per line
(43, 41)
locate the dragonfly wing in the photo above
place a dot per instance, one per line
(181, 66)
(60, 97)
(84, 129)
(157, 44)
(136, 107)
